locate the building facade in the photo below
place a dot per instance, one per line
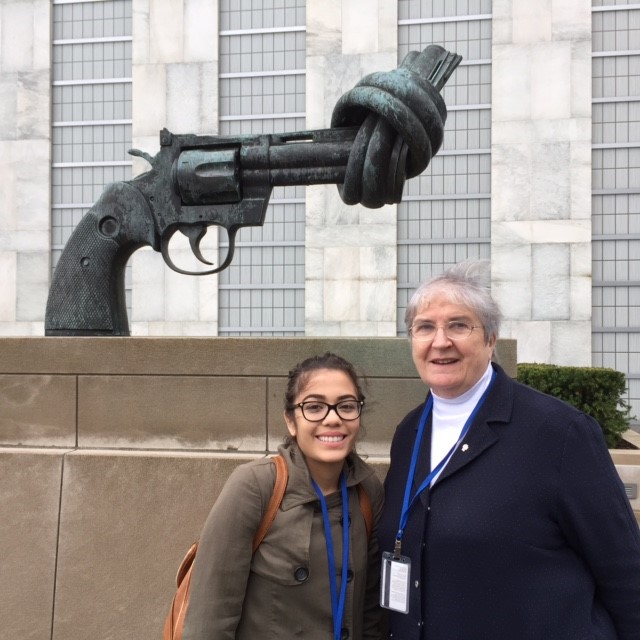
(537, 170)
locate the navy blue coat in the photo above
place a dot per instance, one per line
(526, 535)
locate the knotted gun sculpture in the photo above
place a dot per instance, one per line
(383, 131)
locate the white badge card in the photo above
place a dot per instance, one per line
(394, 582)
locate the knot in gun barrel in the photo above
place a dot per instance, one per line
(401, 115)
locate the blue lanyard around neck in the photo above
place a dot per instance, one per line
(337, 600)
(408, 502)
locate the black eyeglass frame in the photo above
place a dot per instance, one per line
(335, 407)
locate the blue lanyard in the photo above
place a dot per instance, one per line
(408, 502)
(337, 600)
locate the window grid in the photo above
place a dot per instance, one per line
(91, 108)
(262, 95)
(471, 39)
(446, 213)
(262, 52)
(262, 90)
(91, 102)
(92, 20)
(616, 122)
(419, 9)
(449, 175)
(98, 143)
(96, 60)
(616, 213)
(616, 198)
(468, 129)
(616, 75)
(261, 14)
(616, 168)
(616, 30)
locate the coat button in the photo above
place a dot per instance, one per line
(349, 575)
(301, 574)
(416, 584)
(344, 633)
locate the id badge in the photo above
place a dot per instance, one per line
(394, 582)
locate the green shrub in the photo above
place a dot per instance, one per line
(595, 391)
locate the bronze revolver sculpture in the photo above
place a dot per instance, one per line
(383, 131)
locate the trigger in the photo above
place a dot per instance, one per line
(195, 235)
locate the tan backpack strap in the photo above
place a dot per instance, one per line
(282, 476)
(365, 507)
(175, 619)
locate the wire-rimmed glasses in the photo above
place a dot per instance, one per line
(454, 330)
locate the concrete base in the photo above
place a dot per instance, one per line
(113, 450)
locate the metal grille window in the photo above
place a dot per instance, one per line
(262, 90)
(91, 106)
(616, 191)
(445, 215)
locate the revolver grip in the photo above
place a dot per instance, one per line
(87, 294)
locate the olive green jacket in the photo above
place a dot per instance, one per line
(283, 590)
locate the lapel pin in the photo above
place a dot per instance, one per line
(465, 447)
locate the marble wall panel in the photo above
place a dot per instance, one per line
(200, 412)
(550, 183)
(17, 44)
(378, 301)
(581, 284)
(8, 289)
(541, 184)
(29, 508)
(571, 343)
(201, 28)
(126, 521)
(8, 107)
(550, 79)
(166, 31)
(148, 287)
(25, 150)
(550, 286)
(231, 357)
(33, 284)
(534, 339)
(531, 22)
(38, 410)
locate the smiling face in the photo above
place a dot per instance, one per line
(450, 367)
(326, 443)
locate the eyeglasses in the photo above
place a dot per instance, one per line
(316, 411)
(454, 330)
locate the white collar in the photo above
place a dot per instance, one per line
(471, 395)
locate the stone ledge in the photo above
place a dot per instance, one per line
(632, 437)
(219, 356)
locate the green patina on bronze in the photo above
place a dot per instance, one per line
(383, 131)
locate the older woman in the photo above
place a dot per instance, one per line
(504, 516)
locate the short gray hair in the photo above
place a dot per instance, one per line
(466, 283)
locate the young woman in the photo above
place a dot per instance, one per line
(316, 573)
